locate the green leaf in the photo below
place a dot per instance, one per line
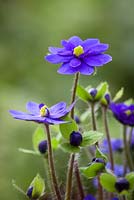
(70, 148)
(18, 188)
(90, 138)
(99, 154)
(38, 136)
(129, 101)
(55, 143)
(28, 151)
(101, 89)
(108, 182)
(93, 170)
(130, 178)
(118, 95)
(83, 94)
(38, 186)
(68, 128)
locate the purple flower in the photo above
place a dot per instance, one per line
(89, 197)
(118, 169)
(123, 113)
(77, 55)
(117, 145)
(40, 113)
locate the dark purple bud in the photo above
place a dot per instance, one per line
(107, 97)
(42, 146)
(98, 160)
(121, 184)
(77, 119)
(29, 192)
(75, 138)
(93, 92)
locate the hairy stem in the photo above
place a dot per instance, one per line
(74, 92)
(94, 126)
(51, 165)
(69, 177)
(126, 150)
(77, 174)
(104, 109)
(72, 156)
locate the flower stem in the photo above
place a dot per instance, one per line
(72, 156)
(126, 150)
(74, 92)
(51, 165)
(69, 177)
(81, 191)
(104, 110)
(94, 126)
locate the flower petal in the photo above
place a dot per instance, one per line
(86, 69)
(68, 45)
(25, 116)
(57, 108)
(75, 62)
(89, 43)
(33, 108)
(98, 60)
(66, 69)
(54, 121)
(55, 59)
(55, 50)
(97, 49)
(75, 40)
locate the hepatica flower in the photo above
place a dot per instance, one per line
(123, 113)
(77, 55)
(40, 113)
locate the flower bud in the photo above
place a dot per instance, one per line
(42, 146)
(29, 192)
(75, 138)
(122, 184)
(93, 92)
(77, 119)
(98, 160)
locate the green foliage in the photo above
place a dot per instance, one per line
(93, 169)
(38, 136)
(38, 186)
(28, 151)
(68, 128)
(70, 148)
(101, 89)
(55, 143)
(99, 154)
(130, 178)
(107, 181)
(83, 94)
(118, 95)
(90, 138)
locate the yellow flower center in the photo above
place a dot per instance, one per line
(43, 111)
(78, 50)
(128, 112)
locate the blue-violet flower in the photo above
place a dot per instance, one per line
(40, 113)
(123, 113)
(77, 55)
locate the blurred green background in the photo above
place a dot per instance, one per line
(27, 28)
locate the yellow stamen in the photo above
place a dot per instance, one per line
(43, 111)
(128, 112)
(78, 50)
